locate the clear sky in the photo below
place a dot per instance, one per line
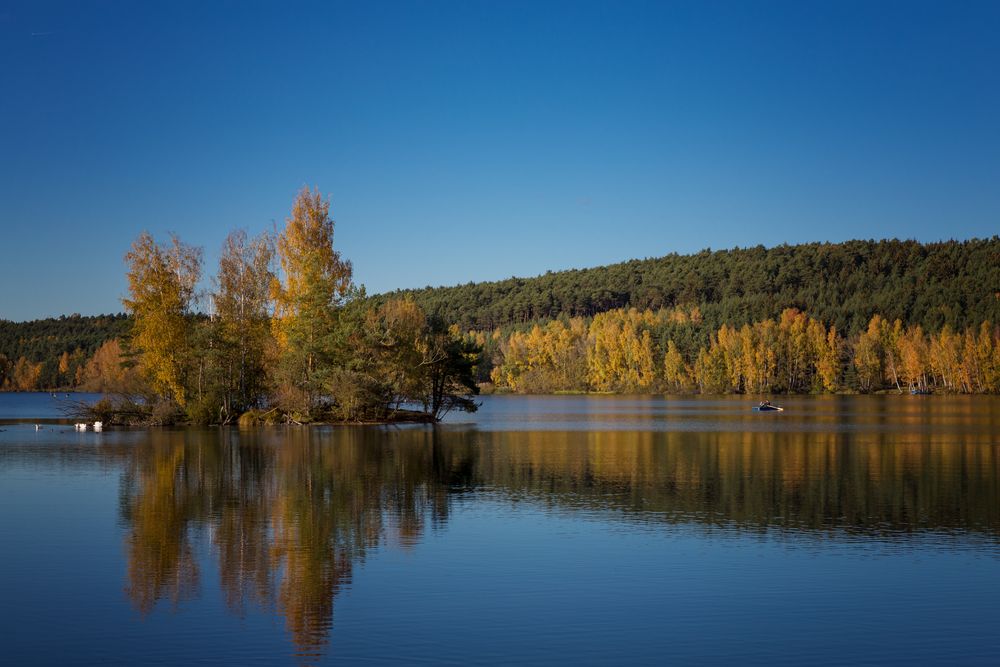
(473, 141)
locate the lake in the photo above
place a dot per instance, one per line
(541, 530)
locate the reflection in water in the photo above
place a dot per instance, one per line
(291, 512)
(785, 480)
(161, 561)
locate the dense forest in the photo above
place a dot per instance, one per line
(53, 353)
(855, 316)
(842, 284)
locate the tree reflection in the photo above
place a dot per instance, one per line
(160, 559)
(242, 536)
(873, 483)
(291, 512)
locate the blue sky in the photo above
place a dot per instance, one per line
(473, 141)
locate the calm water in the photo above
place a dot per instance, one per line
(846, 530)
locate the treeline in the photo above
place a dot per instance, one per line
(667, 324)
(633, 351)
(953, 283)
(297, 343)
(54, 353)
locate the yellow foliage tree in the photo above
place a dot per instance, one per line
(914, 357)
(620, 356)
(161, 282)
(868, 356)
(710, 369)
(545, 359)
(676, 375)
(945, 358)
(316, 283)
(242, 304)
(64, 367)
(828, 358)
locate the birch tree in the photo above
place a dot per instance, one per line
(161, 282)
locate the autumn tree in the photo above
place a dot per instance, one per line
(161, 283)
(545, 358)
(710, 369)
(987, 352)
(828, 351)
(620, 357)
(316, 284)
(65, 377)
(914, 360)
(676, 375)
(868, 356)
(108, 370)
(728, 346)
(797, 349)
(25, 374)
(890, 336)
(242, 305)
(945, 358)
(762, 365)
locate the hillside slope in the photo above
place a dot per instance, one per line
(953, 282)
(46, 340)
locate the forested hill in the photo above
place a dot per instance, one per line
(45, 341)
(42, 339)
(844, 284)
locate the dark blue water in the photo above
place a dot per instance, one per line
(567, 530)
(43, 407)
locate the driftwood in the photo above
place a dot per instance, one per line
(121, 410)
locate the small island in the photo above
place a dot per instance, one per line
(307, 347)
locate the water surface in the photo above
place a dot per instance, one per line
(575, 530)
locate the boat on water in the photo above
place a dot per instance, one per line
(915, 391)
(767, 406)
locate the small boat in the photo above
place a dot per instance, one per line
(920, 392)
(766, 406)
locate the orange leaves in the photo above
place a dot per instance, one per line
(24, 375)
